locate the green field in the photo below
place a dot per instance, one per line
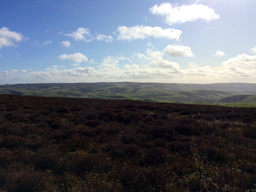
(241, 95)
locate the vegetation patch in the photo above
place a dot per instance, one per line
(61, 144)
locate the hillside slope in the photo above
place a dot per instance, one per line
(160, 92)
(61, 144)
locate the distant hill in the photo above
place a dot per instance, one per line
(219, 93)
(235, 98)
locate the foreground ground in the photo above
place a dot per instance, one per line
(57, 144)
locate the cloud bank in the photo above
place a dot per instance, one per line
(151, 66)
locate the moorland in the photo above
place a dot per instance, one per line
(72, 144)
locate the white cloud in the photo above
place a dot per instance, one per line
(76, 57)
(66, 43)
(9, 38)
(126, 33)
(178, 51)
(140, 67)
(82, 34)
(254, 49)
(220, 53)
(241, 68)
(151, 66)
(107, 38)
(143, 32)
(47, 42)
(156, 60)
(174, 14)
(242, 63)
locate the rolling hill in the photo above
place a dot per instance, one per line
(159, 92)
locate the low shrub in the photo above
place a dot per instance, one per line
(154, 157)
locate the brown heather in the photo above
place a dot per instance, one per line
(86, 145)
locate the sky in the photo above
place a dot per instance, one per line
(175, 41)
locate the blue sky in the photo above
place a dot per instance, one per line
(185, 41)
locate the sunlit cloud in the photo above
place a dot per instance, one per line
(66, 44)
(174, 14)
(178, 51)
(81, 34)
(107, 38)
(220, 53)
(9, 38)
(76, 57)
(143, 32)
(151, 66)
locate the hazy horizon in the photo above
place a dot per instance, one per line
(75, 41)
(116, 82)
